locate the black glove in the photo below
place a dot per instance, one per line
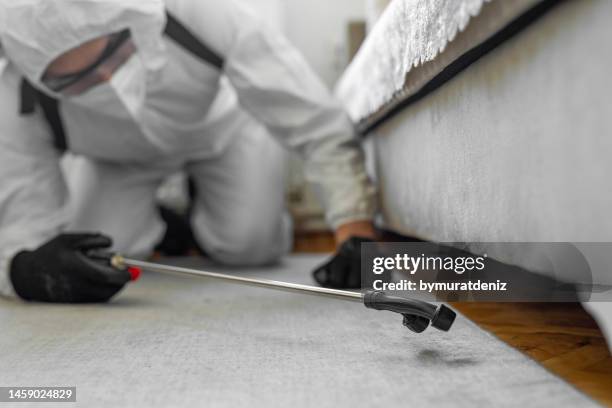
(343, 270)
(60, 271)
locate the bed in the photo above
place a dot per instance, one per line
(489, 121)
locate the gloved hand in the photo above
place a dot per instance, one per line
(60, 271)
(343, 270)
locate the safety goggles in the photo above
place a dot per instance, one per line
(118, 50)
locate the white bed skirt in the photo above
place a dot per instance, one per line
(516, 148)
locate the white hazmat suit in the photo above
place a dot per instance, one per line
(171, 112)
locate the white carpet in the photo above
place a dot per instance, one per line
(173, 341)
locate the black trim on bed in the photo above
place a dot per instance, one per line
(463, 62)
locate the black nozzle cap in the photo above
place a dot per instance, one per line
(444, 318)
(417, 324)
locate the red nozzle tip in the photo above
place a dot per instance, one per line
(134, 273)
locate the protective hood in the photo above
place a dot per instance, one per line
(35, 32)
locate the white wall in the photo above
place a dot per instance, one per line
(318, 28)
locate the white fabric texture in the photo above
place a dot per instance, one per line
(33, 199)
(34, 32)
(239, 211)
(221, 345)
(515, 149)
(186, 109)
(414, 41)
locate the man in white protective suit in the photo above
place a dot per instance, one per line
(136, 90)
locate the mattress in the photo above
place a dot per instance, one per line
(415, 42)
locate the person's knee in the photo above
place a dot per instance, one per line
(250, 245)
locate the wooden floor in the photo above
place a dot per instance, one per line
(562, 337)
